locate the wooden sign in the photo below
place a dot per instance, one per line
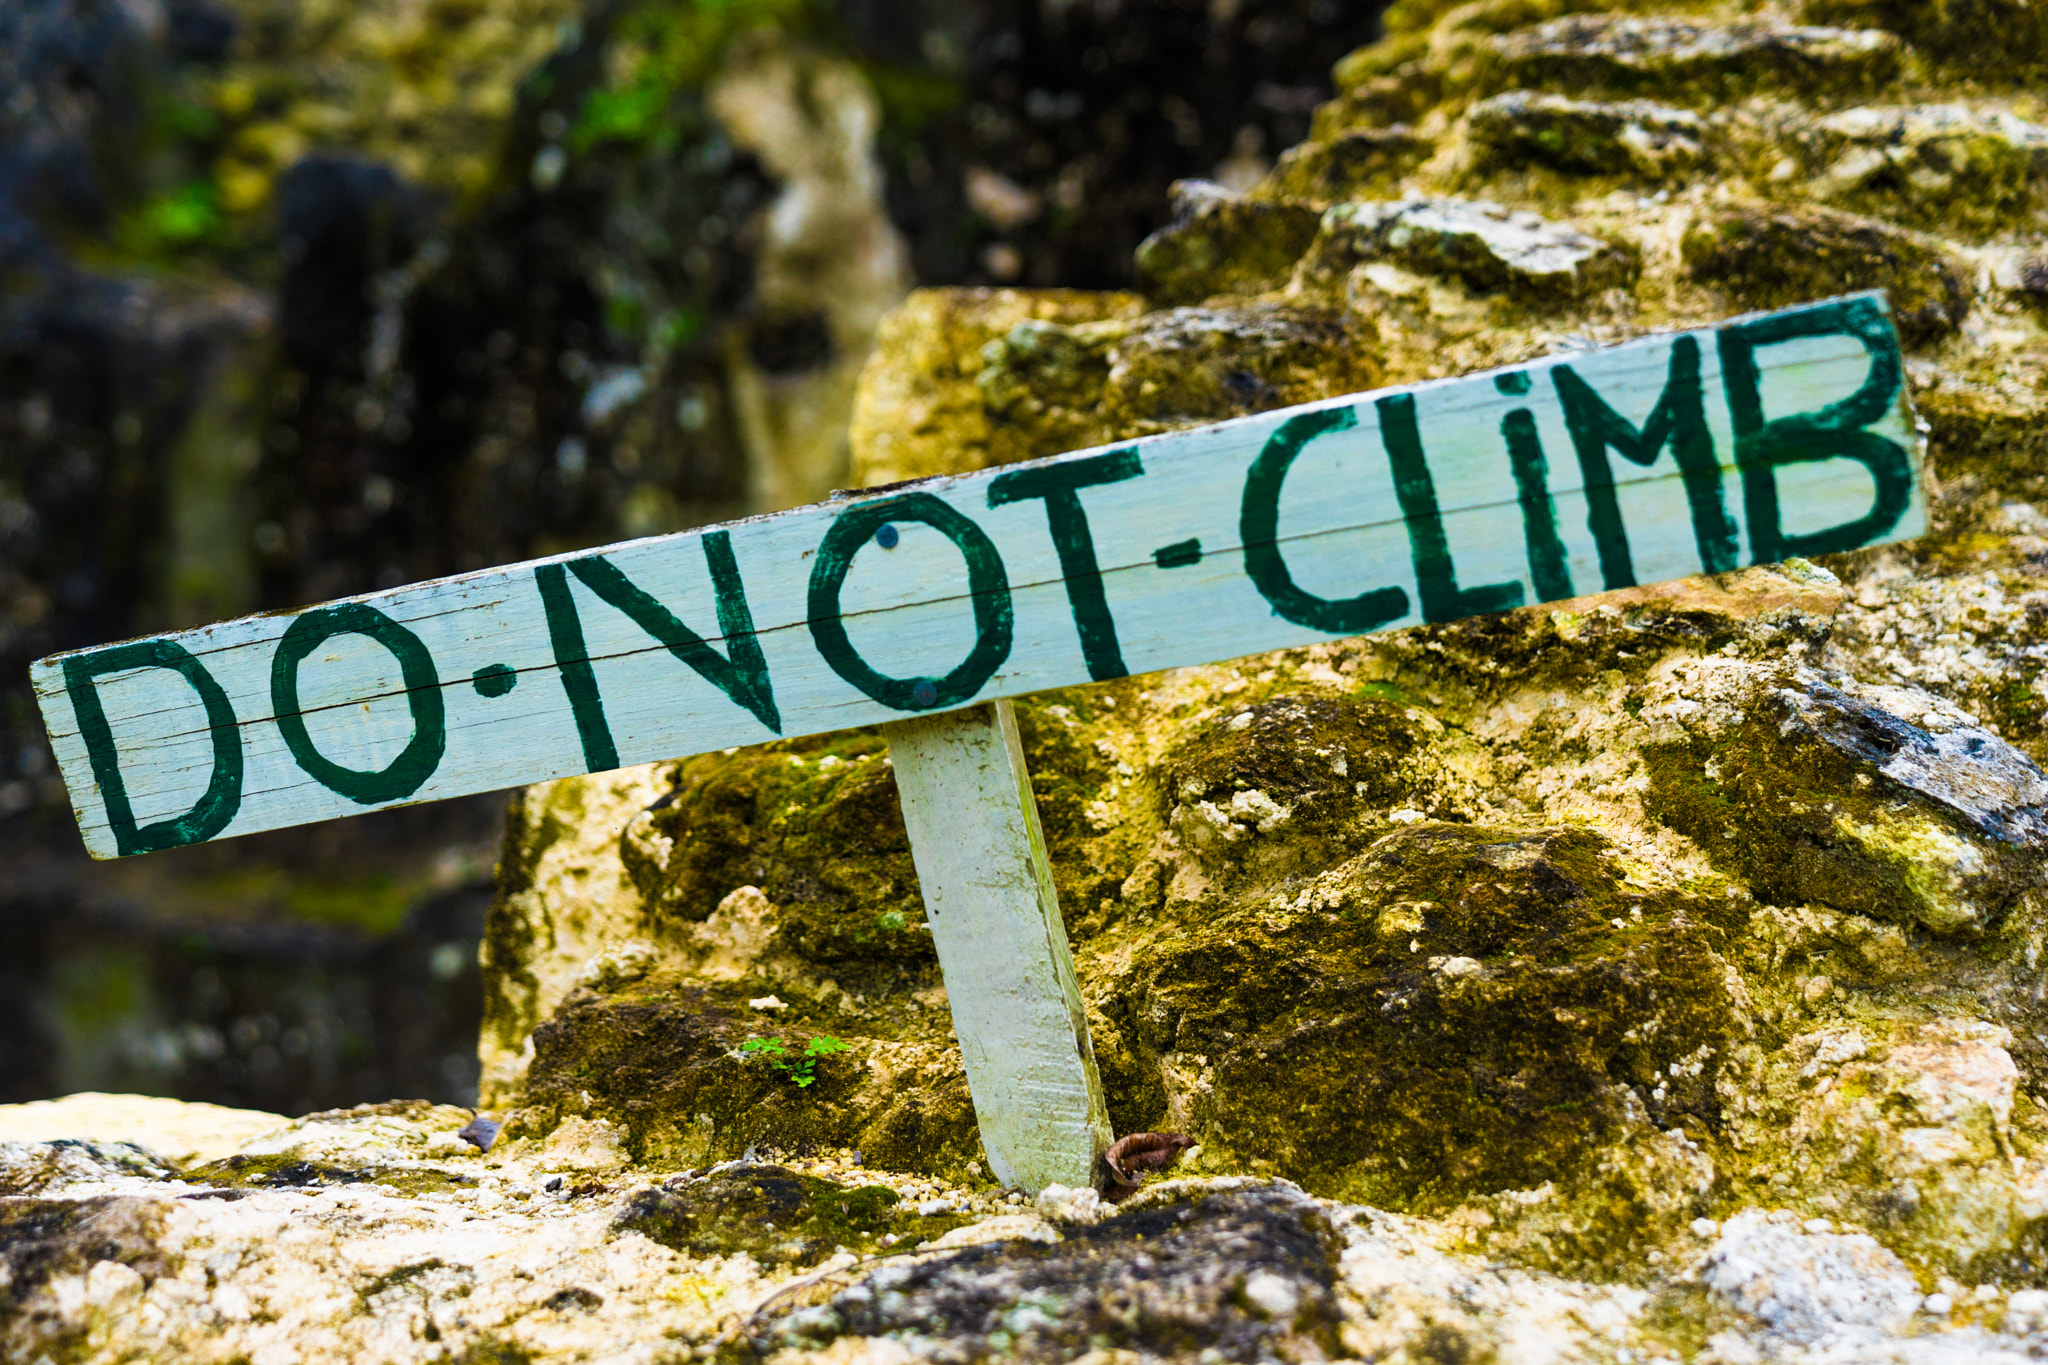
(1769, 436)
(927, 605)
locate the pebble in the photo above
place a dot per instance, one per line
(480, 1132)
(1937, 1305)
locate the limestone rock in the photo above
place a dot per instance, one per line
(1354, 164)
(1220, 243)
(1675, 952)
(1484, 245)
(1654, 140)
(1848, 804)
(1932, 164)
(451, 1255)
(174, 1129)
(1771, 258)
(1667, 54)
(1809, 1283)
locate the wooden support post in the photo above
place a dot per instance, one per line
(995, 920)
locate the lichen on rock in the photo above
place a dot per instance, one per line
(1568, 930)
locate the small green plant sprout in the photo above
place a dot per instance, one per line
(801, 1068)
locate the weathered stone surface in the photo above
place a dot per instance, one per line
(1486, 246)
(1667, 55)
(1838, 800)
(448, 1255)
(1353, 165)
(1220, 243)
(1933, 165)
(1767, 258)
(1640, 136)
(170, 1128)
(1246, 1273)
(1809, 1283)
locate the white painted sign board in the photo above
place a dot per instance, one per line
(1777, 435)
(1764, 437)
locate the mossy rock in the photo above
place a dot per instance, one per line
(841, 872)
(1360, 163)
(1223, 244)
(1700, 60)
(1770, 258)
(1064, 388)
(286, 1171)
(1549, 924)
(773, 1214)
(1826, 797)
(1636, 138)
(1456, 1011)
(2002, 37)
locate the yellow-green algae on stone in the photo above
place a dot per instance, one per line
(1566, 927)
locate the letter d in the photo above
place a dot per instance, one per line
(223, 796)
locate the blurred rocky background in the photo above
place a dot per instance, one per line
(301, 298)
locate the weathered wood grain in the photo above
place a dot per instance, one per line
(995, 921)
(1359, 513)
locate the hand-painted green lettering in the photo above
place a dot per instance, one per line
(988, 585)
(1835, 432)
(1258, 530)
(572, 656)
(1436, 578)
(1547, 558)
(741, 674)
(223, 795)
(1059, 485)
(406, 773)
(1680, 420)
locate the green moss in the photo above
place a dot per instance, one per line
(398, 1278)
(1682, 1317)
(291, 1172)
(1453, 1013)
(1226, 246)
(1359, 163)
(1800, 819)
(669, 1070)
(1772, 258)
(490, 1349)
(1059, 388)
(814, 823)
(1325, 759)
(2003, 38)
(775, 1215)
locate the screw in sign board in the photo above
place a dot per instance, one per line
(925, 606)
